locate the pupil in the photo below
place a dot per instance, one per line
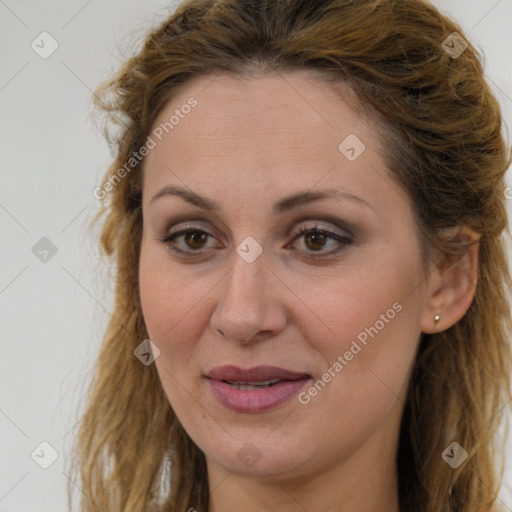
(195, 237)
(316, 237)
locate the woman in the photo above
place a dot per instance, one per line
(305, 212)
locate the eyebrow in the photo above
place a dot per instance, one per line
(282, 206)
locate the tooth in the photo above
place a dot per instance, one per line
(246, 387)
(260, 383)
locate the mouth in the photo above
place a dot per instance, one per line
(248, 386)
(265, 375)
(255, 389)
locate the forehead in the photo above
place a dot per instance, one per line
(241, 104)
(285, 116)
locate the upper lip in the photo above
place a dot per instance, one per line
(254, 374)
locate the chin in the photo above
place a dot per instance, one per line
(259, 456)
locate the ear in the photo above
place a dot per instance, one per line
(451, 285)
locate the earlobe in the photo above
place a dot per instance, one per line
(451, 285)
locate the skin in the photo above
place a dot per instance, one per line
(247, 144)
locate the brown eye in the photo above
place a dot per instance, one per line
(317, 240)
(189, 240)
(195, 239)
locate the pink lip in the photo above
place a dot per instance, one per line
(254, 374)
(256, 400)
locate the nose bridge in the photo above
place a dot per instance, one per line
(244, 305)
(243, 289)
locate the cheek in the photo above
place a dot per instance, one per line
(367, 357)
(366, 327)
(171, 305)
(346, 305)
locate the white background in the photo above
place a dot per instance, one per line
(53, 314)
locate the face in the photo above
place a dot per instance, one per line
(273, 236)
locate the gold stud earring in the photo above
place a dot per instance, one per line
(437, 318)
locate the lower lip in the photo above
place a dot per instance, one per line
(256, 400)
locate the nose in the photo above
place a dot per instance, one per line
(250, 305)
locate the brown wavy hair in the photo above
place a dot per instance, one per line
(441, 130)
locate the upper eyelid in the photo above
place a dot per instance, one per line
(302, 225)
(333, 221)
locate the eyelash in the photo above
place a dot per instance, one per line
(343, 240)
